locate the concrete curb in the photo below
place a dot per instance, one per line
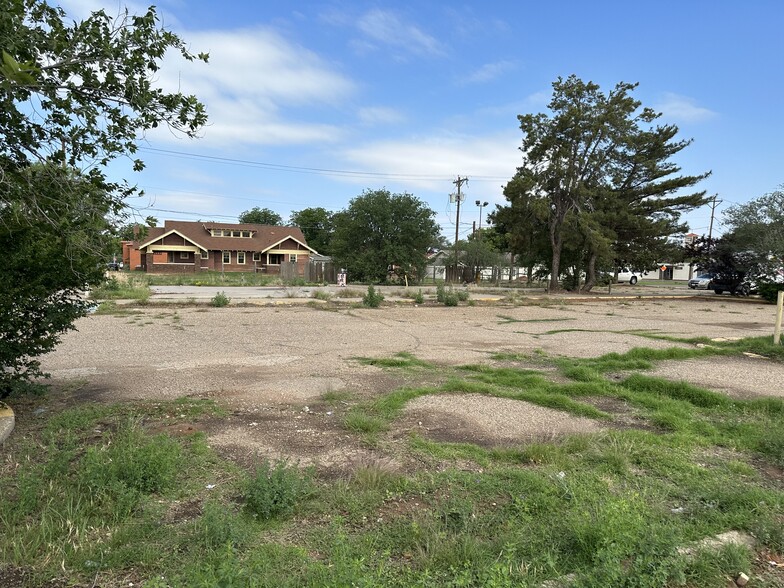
(7, 421)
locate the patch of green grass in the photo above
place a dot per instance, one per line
(96, 475)
(114, 289)
(95, 492)
(400, 360)
(336, 396)
(322, 295)
(510, 356)
(109, 307)
(348, 293)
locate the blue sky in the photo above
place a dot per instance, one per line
(312, 103)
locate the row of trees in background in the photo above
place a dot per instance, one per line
(378, 235)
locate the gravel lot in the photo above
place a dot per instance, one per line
(270, 364)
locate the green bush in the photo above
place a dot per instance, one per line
(450, 297)
(372, 299)
(419, 298)
(440, 293)
(462, 295)
(770, 290)
(220, 300)
(274, 491)
(570, 283)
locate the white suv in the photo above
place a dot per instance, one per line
(626, 275)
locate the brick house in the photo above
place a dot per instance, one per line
(190, 247)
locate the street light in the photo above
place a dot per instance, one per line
(481, 205)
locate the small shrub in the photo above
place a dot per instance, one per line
(462, 295)
(419, 298)
(440, 293)
(322, 295)
(220, 300)
(274, 491)
(372, 299)
(450, 297)
(770, 290)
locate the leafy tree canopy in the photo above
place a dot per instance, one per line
(753, 247)
(382, 233)
(758, 227)
(600, 166)
(261, 216)
(316, 224)
(74, 96)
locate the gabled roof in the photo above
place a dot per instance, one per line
(150, 241)
(263, 237)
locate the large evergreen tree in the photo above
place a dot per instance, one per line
(601, 165)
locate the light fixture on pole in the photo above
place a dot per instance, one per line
(481, 205)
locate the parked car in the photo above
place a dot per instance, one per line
(627, 275)
(734, 285)
(113, 266)
(701, 282)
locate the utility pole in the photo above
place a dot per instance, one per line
(459, 183)
(710, 228)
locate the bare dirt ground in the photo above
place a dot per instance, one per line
(270, 366)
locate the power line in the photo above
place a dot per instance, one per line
(311, 170)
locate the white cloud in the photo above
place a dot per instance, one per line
(489, 72)
(683, 108)
(491, 158)
(383, 26)
(253, 76)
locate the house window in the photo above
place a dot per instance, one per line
(236, 233)
(256, 256)
(240, 257)
(274, 258)
(183, 255)
(293, 258)
(227, 257)
(205, 254)
(246, 233)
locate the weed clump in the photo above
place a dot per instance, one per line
(372, 299)
(451, 298)
(440, 293)
(273, 492)
(220, 300)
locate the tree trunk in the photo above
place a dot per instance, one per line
(590, 273)
(556, 242)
